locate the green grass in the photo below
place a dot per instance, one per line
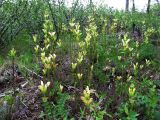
(1, 61)
(22, 44)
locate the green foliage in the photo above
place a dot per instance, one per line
(102, 56)
(17, 16)
(147, 51)
(9, 99)
(56, 108)
(12, 53)
(1, 61)
(99, 49)
(142, 104)
(26, 58)
(92, 108)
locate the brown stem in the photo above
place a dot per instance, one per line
(13, 82)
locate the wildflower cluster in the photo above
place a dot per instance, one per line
(75, 28)
(44, 89)
(12, 53)
(86, 98)
(46, 54)
(92, 108)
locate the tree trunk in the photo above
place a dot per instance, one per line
(148, 6)
(127, 5)
(133, 7)
(90, 2)
(157, 1)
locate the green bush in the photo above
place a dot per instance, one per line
(55, 109)
(1, 61)
(147, 51)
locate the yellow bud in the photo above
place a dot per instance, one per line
(52, 34)
(74, 65)
(61, 88)
(137, 44)
(91, 68)
(119, 77)
(36, 48)
(129, 78)
(79, 75)
(141, 66)
(148, 62)
(59, 43)
(35, 38)
(87, 100)
(119, 58)
(12, 52)
(44, 71)
(43, 54)
(132, 90)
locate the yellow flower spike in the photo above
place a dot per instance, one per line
(123, 42)
(72, 24)
(129, 78)
(130, 49)
(119, 58)
(59, 43)
(35, 38)
(61, 87)
(80, 59)
(47, 46)
(141, 66)
(12, 53)
(47, 84)
(137, 44)
(46, 14)
(43, 87)
(43, 60)
(36, 48)
(47, 41)
(50, 57)
(79, 75)
(148, 62)
(119, 77)
(54, 65)
(80, 54)
(54, 56)
(74, 65)
(135, 66)
(52, 34)
(87, 90)
(91, 68)
(42, 49)
(42, 83)
(43, 54)
(113, 70)
(44, 71)
(81, 44)
(47, 66)
(132, 90)
(87, 100)
(127, 41)
(84, 52)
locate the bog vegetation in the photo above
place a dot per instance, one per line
(78, 63)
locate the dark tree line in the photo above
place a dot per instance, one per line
(133, 5)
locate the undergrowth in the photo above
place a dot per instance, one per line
(92, 65)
